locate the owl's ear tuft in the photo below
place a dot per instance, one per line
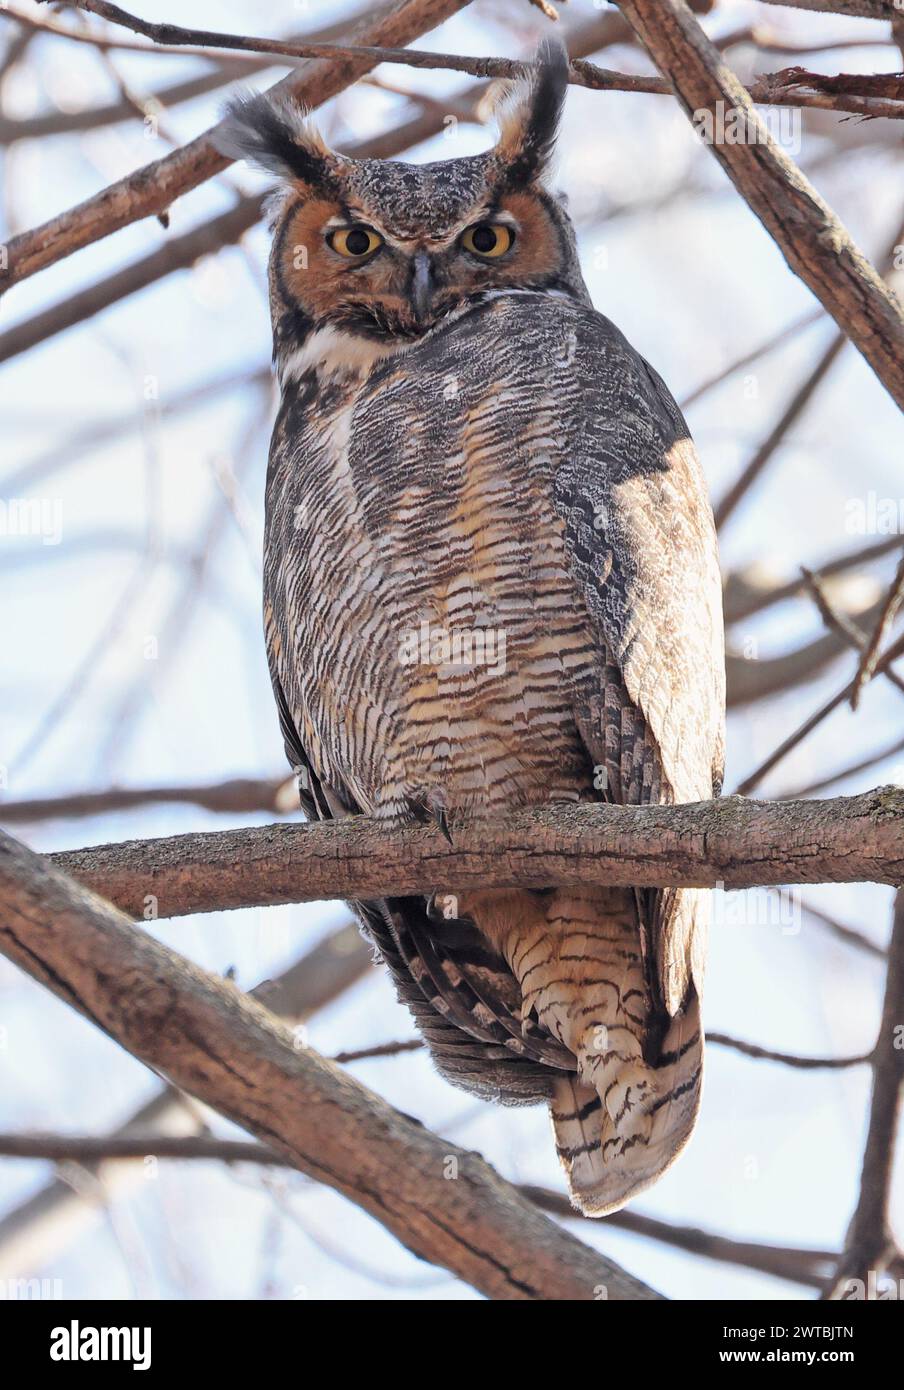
(529, 115)
(276, 135)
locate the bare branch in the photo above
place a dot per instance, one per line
(787, 1059)
(893, 600)
(153, 188)
(804, 730)
(812, 239)
(855, 9)
(209, 1039)
(176, 253)
(795, 407)
(849, 935)
(851, 633)
(870, 1245)
(851, 770)
(732, 842)
(776, 340)
(744, 596)
(879, 94)
(801, 1266)
(223, 71)
(728, 504)
(238, 796)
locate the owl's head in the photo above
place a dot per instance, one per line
(375, 253)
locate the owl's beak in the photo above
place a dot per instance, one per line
(421, 287)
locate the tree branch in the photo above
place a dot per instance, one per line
(732, 842)
(855, 9)
(812, 239)
(238, 796)
(33, 1234)
(153, 188)
(444, 1203)
(872, 646)
(870, 1244)
(879, 94)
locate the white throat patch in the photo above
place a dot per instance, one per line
(330, 352)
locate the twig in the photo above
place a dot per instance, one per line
(754, 779)
(795, 407)
(743, 598)
(812, 239)
(777, 340)
(231, 1054)
(801, 1266)
(390, 1049)
(787, 1059)
(176, 253)
(223, 71)
(870, 1244)
(849, 935)
(848, 630)
(798, 403)
(842, 773)
(855, 9)
(893, 600)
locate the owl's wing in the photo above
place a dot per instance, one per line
(641, 546)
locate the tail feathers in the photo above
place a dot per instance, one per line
(628, 1109)
(616, 1137)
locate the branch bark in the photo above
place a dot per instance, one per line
(812, 239)
(444, 1203)
(732, 842)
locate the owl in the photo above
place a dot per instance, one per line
(491, 582)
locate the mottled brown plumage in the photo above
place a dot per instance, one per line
(490, 581)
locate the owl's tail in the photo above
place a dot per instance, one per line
(630, 1109)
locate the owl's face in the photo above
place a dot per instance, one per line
(375, 253)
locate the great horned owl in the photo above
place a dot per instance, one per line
(491, 581)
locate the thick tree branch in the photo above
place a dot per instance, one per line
(34, 1233)
(444, 1203)
(812, 239)
(732, 842)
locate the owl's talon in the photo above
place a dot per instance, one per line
(439, 815)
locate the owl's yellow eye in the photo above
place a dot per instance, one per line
(488, 239)
(354, 242)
